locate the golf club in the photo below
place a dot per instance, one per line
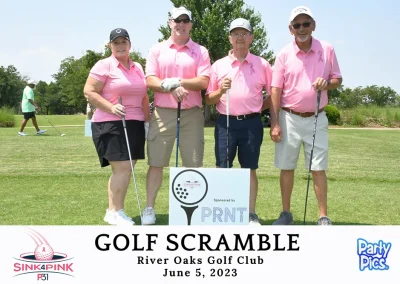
(312, 150)
(227, 128)
(178, 126)
(61, 134)
(130, 159)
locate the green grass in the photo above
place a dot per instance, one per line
(53, 180)
(7, 117)
(371, 116)
(54, 119)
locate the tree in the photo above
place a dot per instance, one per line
(41, 96)
(334, 95)
(12, 85)
(71, 79)
(380, 96)
(211, 20)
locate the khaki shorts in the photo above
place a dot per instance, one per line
(297, 131)
(162, 135)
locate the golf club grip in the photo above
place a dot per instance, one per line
(318, 98)
(123, 118)
(178, 123)
(179, 110)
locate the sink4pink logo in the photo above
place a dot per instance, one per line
(43, 260)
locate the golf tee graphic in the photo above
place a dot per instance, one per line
(189, 188)
(43, 260)
(209, 196)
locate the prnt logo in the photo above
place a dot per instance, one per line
(43, 260)
(373, 255)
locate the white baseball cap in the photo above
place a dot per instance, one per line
(240, 23)
(31, 82)
(298, 11)
(176, 12)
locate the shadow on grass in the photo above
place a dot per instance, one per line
(163, 219)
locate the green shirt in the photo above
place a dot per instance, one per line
(28, 95)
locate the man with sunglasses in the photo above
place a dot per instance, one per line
(245, 76)
(176, 70)
(301, 69)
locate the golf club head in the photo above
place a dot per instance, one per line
(62, 135)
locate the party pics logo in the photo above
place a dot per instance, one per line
(43, 261)
(373, 256)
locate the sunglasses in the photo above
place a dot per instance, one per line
(305, 24)
(181, 20)
(240, 34)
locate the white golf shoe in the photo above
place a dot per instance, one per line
(40, 132)
(117, 218)
(22, 134)
(149, 216)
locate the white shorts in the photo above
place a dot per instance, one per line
(297, 130)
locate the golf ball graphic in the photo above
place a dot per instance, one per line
(44, 252)
(189, 187)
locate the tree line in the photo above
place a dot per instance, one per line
(211, 19)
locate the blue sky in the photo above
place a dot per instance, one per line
(37, 35)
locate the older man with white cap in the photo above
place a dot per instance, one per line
(29, 107)
(302, 68)
(245, 76)
(177, 70)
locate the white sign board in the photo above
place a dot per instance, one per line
(88, 128)
(204, 196)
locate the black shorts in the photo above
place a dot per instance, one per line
(110, 142)
(28, 115)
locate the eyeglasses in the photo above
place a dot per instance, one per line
(240, 34)
(298, 25)
(181, 20)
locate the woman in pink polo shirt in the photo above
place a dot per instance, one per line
(111, 78)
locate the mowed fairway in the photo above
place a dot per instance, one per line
(53, 180)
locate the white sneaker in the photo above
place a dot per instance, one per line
(41, 132)
(117, 218)
(109, 217)
(149, 216)
(22, 134)
(253, 219)
(122, 219)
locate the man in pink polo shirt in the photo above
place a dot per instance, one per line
(246, 76)
(176, 70)
(302, 68)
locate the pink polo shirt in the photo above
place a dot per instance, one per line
(129, 84)
(295, 71)
(167, 60)
(249, 78)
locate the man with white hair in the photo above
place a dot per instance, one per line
(302, 69)
(28, 108)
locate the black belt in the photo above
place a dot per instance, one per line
(242, 117)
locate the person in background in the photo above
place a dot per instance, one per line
(29, 107)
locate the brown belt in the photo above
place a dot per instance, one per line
(302, 114)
